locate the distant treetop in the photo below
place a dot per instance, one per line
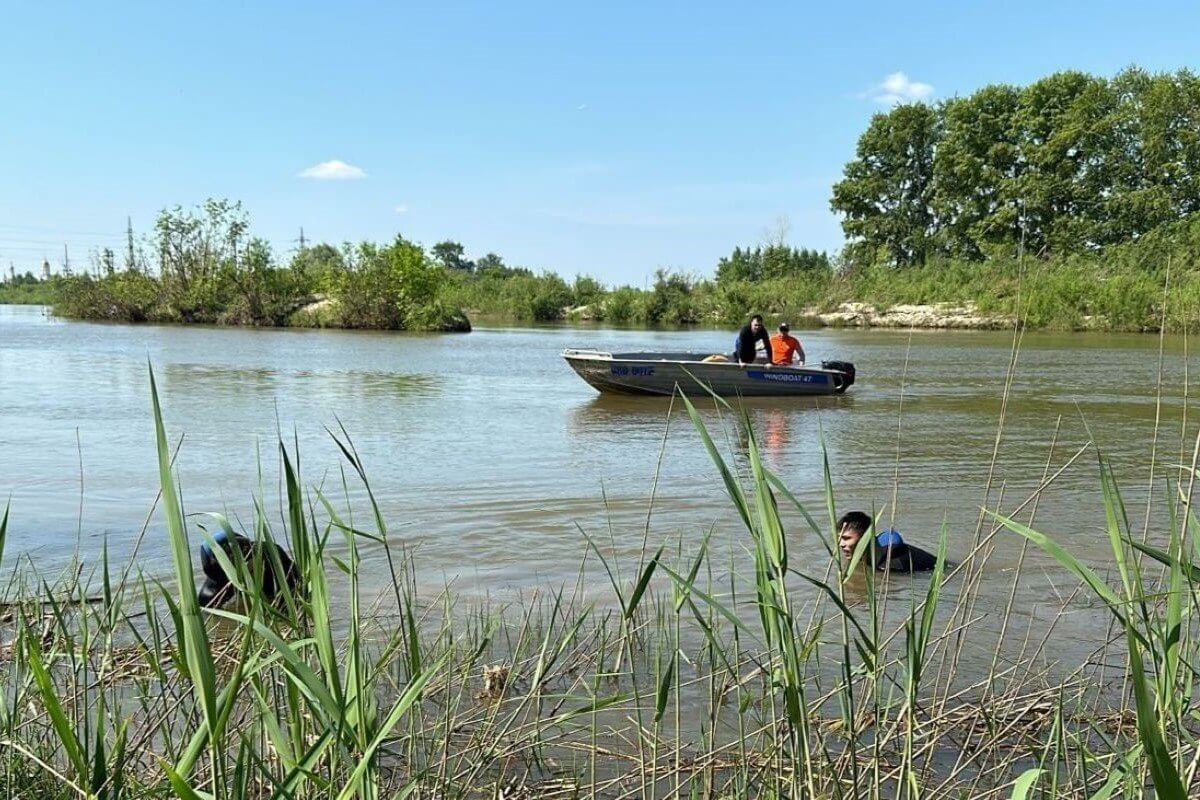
(1069, 164)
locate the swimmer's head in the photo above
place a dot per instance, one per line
(851, 528)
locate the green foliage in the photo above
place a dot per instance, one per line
(318, 265)
(1070, 164)
(622, 305)
(386, 287)
(672, 300)
(451, 256)
(886, 195)
(771, 262)
(587, 290)
(210, 270)
(515, 294)
(27, 290)
(127, 296)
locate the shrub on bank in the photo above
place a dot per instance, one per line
(125, 296)
(391, 287)
(30, 292)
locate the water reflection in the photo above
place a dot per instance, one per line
(775, 435)
(229, 379)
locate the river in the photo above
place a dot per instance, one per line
(486, 452)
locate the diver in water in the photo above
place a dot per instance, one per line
(260, 559)
(891, 553)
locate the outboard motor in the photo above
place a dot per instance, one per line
(846, 379)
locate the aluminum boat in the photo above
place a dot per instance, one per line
(662, 373)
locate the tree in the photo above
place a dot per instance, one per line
(107, 261)
(978, 159)
(451, 255)
(770, 262)
(1071, 163)
(316, 265)
(587, 290)
(490, 263)
(391, 287)
(671, 301)
(886, 194)
(740, 265)
(1060, 128)
(1162, 138)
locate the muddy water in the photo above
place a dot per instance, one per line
(485, 451)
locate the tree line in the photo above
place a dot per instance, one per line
(1069, 164)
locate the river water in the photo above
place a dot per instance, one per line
(486, 452)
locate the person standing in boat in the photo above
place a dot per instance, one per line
(785, 348)
(746, 344)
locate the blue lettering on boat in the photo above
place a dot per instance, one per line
(788, 377)
(637, 372)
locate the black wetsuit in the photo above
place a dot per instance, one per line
(745, 349)
(903, 557)
(217, 588)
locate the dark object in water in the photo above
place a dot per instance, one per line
(846, 373)
(218, 590)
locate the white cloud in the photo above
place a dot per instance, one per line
(334, 170)
(899, 88)
(401, 209)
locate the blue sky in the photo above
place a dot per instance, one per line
(610, 139)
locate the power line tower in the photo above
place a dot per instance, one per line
(66, 261)
(303, 241)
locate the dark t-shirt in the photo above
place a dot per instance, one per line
(746, 349)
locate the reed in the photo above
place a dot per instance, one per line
(689, 676)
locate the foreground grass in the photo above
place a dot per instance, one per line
(686, 678)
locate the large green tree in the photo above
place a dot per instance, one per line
(1071, 163)
(977, 163)
(886, 195)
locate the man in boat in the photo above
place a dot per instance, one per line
(785, 347)
(746, 345)
(890, 553)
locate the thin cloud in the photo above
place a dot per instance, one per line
(401, 209)
(334, 170)
(899, 88)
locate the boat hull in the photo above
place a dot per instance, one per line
(664, 373)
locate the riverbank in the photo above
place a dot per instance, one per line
(323, 312)
(950, 316)
(931, 315)
(1136, 290)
